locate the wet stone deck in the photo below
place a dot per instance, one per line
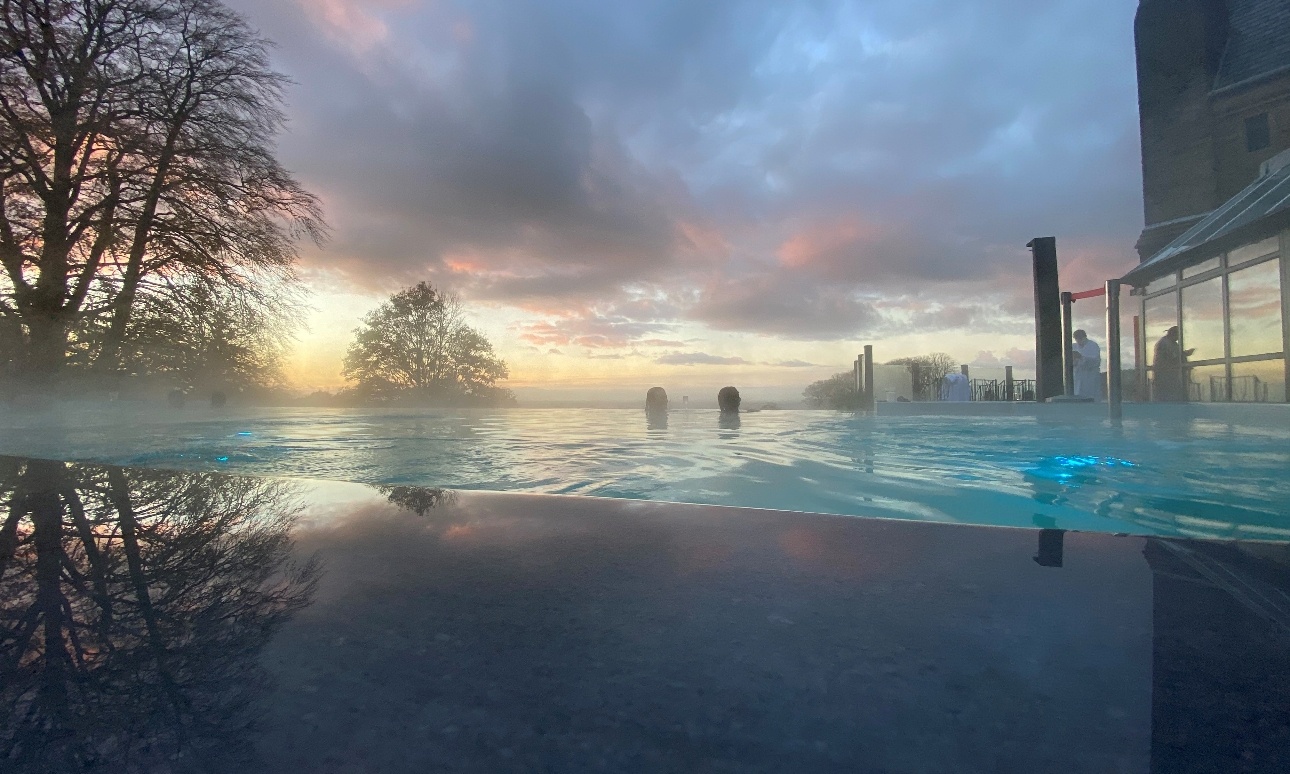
(322, 627)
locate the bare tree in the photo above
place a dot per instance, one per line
(199, 332)
(135, 141)
(838, 392)
(926, 372)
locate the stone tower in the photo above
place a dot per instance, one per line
(1214, 104)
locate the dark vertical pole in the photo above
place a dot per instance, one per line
(1068, 358)
(1141, 391)
(1227, 335)
(859, 378)
(1114, 395)
(1285, 304)
(870, 399)
(1009, 388)
(1048, 319)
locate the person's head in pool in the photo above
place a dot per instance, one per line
(656, 401)
(728, 400)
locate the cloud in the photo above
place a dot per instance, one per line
(699, 358)
(807, 169)
(356, 24)
(781, 306)
(607, 326)
(794, 364)
(1022, 358)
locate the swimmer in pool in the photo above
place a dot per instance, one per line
(656, 408)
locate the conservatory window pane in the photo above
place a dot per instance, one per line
(1161, 315)
(1250, 252)
(1263, 381)
(1208, 384)
(1160, 283)
(1201, 268)
(1202, 314)
(1254, 303)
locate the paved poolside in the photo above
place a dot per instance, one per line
(508, 632)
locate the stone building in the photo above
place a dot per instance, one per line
(1214, 99)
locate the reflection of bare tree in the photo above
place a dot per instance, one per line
(132, 608)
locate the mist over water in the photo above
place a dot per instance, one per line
(1171, 477)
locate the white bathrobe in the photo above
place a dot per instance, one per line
(955, 387)
(1088, 370)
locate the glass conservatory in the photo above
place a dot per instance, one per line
(1225, 285)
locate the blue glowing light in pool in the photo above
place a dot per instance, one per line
(245, 432)
(221, 459)
(1076, 469)
(1094, 462)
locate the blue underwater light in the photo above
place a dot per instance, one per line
(1094, 462)
(1076, 469)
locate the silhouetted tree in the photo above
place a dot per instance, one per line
(136, 141)
(837, 392)
(133, 606)
(201, 334)
(418, 499)
(418, 346)
(926, 372)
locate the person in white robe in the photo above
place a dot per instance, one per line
(955, 387)
(1088, 367)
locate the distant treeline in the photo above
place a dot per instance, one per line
(839, 391)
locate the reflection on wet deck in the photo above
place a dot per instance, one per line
(198, 622)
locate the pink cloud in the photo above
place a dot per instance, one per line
(356, 23)
(825, 240)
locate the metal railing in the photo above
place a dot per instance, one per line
(997, 390)
(992, 391)
(1238, 389)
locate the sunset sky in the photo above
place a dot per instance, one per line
(699, 193)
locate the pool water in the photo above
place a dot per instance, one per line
(1171, 475)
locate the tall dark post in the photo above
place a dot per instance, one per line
(1009, 386)
(1114, 388)
(871, 402)
(1048, 319)
(1068, 356)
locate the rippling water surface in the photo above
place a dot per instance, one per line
(1177, 477)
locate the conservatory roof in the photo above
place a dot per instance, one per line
(1264, 205)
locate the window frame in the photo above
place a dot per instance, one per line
(1224, 270)
(1261, 124)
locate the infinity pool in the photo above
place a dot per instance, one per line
(1166, 473)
